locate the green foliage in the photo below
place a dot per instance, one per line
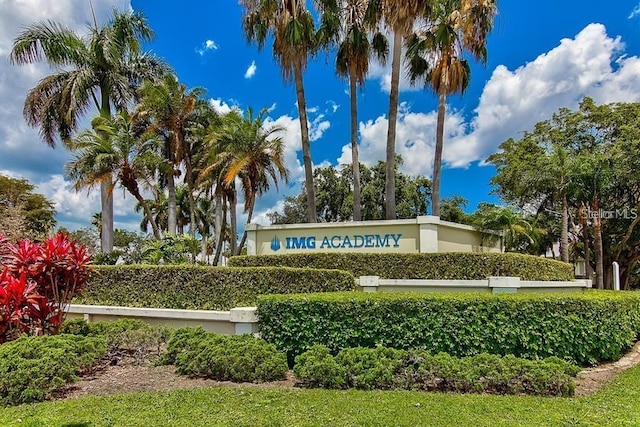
(334, 197)
(584, 328)
(171, 249)
(445, 266)
(386, 368)
(23, 213)
(203, 287)
(241, 358)
(32, 368)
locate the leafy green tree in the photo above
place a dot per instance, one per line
(24, 214)
(582, 164)
(336, 204)
(294, 40)
(453, 210)
(435, 53)
(101, 69)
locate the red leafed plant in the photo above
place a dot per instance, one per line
(37, 284)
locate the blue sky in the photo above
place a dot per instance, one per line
(542, 55)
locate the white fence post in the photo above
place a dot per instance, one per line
(616, 276)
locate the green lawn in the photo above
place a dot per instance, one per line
(617, 405)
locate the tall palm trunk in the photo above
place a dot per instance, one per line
(172, 204)
(106, 205)
(437, 157)
(587, 257)
(390, 179)
(219, 225)
(355, 162)
(564, 232)
(106, 186)
(252, 204)
(597, 246)
(190, 190)
(233, 219)
(306, 145)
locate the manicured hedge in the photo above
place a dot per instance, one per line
(451, 266)
(585, 328)
(386, 368)
(201, 287)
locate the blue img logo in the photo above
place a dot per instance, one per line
(275, 243)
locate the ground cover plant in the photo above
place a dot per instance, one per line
(581, 327)
(444, 266)
(385, 368)
(203, 287)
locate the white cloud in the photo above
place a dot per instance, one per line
(221, 107)
(415, 139)
(206, 46)
(591, 64)
(513, 101)
(332, 104)
(251, 70)
(635, 12)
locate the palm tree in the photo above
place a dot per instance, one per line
(435, 52)
(101, 70)
(294, 40)
(110, 149)
(352, 63)
(254, 154)
(399, 17)
(169, 107)
(514, 227)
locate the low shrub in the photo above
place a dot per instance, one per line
(240, 358)
(124, 337)
(583, 327)
(33, 368)
(444, 266)
(385, 368)
(202, 287)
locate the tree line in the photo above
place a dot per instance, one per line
(150, 131)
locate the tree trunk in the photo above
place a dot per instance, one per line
(437, 157)
(219, 225)
(355, 162)
(172, 205)
(598, 251)
(106, 204)
(564, 232)
(390, 179)
(252, 204)
(587, 256)
(306, 145)
(106, 194)
(233, 218)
